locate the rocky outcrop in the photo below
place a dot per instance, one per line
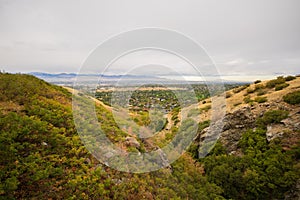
(234, 124)
(239, 121)
(293, 121)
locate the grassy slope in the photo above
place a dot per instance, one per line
(41, 155)
(235, 97)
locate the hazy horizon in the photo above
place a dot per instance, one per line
(69, 77)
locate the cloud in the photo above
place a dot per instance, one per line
(241, 37)
(238, 61)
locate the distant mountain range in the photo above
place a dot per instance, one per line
(72, 75)
(42, 74)
(91, 79)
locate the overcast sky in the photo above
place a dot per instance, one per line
(242, 37)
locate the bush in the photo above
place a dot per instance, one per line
(261, 92)
(247, 99)
(206, 108)
(257, 81)
(272, 116)
(289, 78)
(253, 139)
(281, 86)
(250, 90)
(236, 104)
(265, 171)
(241, 88)
(261, 99)
(228, 94)
(259, 87)
(273, 83)
(292, 98)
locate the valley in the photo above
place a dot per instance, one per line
(256, 155)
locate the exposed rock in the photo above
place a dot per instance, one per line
(131, 141)
(203, 133)
(274, 131)
(87, 160)
(232, 128)
(234, 125)
(293, 121)
(99, 166)
(287, 122)
(164, 159)
(117, 181)
(109, 154)
(44, 144)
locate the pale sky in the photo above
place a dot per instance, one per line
(242, 37)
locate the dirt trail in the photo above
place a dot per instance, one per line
(73, 91)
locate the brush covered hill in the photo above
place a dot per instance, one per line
(42, 157)
(257, 155)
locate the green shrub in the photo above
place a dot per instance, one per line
(261, 92)
(289, 78)
(253, 139)
(194, 112)
(247, 99)
(273, 83)
(241, 88)
(261, 99)
(265, 171)
(292, 98)
(281, 86)
(272, 116)
(203, 125)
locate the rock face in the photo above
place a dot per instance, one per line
(235, 124)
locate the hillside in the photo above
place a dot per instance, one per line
(246, 104)
(261, 131)
(42, 157)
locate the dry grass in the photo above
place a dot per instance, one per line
(271, 95)
(235, 101)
